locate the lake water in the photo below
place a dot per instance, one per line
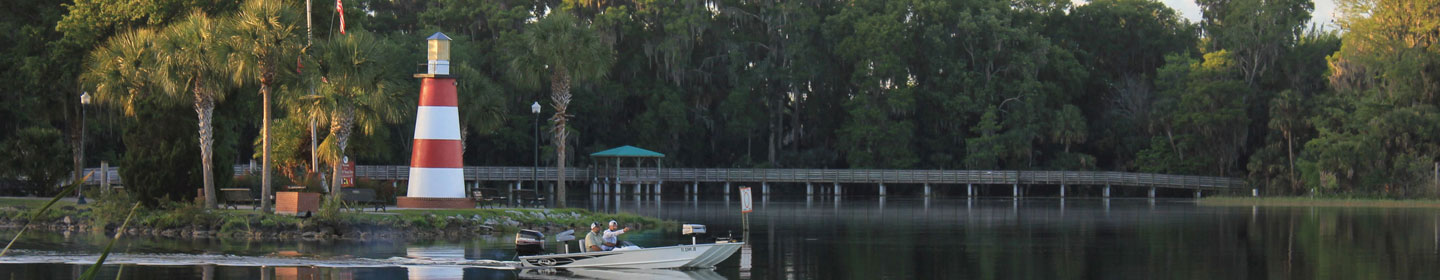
(859, 238)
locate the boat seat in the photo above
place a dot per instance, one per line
(583, 247)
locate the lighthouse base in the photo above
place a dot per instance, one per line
(434, 203)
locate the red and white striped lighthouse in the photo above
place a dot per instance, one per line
(437, 179)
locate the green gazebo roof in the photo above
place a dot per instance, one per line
(628, 151)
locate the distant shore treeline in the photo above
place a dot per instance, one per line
(1254, 89)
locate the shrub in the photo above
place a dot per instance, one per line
(329, 212)
(236, 223)
(110, 208)
(172, 214)
(38, 157)
(162, 152)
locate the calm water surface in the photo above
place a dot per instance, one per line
(865, 238)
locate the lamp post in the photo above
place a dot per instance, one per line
(79, 189)
(535, 171)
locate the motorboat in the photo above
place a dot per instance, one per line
(606, 273)
(685, 256)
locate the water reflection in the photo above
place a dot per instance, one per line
(1038, 238)
(829, 237)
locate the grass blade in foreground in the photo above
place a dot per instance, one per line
(42, 210)
(90, 273)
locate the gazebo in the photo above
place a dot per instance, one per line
(608, 168)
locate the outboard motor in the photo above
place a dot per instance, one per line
(529, 243)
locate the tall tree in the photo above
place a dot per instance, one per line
(264, 36)
(565, 50)
(881, 127)
(1203, 124)
(357, 91)
(86, 24)
(1380, 134)
(191, 60)
(1257, 31)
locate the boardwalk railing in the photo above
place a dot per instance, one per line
(833, 176)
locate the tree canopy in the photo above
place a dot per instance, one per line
(1252, 89)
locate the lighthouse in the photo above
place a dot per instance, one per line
(437, 179)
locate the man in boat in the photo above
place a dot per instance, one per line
(593, 240)
(612, 236)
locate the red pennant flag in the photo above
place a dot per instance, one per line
(340, 9)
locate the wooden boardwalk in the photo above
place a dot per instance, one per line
(692, 176)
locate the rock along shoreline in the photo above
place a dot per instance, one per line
(395, 224)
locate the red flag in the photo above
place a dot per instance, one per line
(340, 9)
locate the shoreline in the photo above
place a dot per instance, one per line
(1299, 201)
(397, 224)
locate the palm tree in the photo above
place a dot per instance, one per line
(565, 50)
(355, 92)
(263, 35)
(119, 71)
(191, 61)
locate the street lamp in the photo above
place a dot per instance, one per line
(79, 189)
(534, 171)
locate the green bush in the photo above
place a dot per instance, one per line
(38, 156)
(329, 212)
(173, 214)
(162, 153)
(236, 223)
(110, 208)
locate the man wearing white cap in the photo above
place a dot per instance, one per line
(612, 236)
(592, 239)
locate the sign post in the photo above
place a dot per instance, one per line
(746, 206)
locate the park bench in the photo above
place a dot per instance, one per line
(361, 197)
(486, 197)
(235, 196)
(530, 198)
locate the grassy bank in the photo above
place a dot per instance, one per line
(187, 220)
(1226, 201)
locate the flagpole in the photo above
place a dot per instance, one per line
(310, 40)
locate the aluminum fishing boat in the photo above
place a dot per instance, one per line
(528, 244)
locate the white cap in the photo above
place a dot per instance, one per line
(594, 225)
(613, 223)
